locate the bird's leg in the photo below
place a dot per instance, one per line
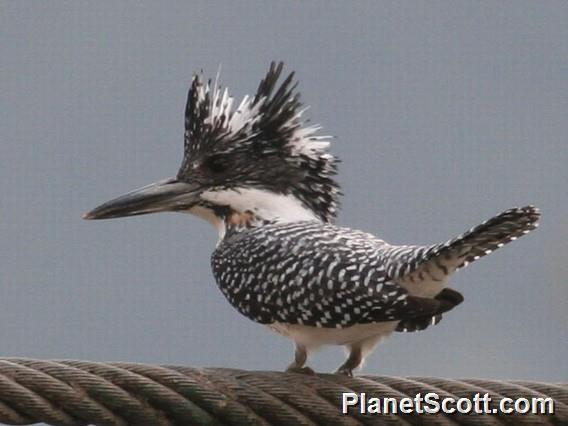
(300, 358)
(353, 361)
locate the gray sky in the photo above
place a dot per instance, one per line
(445, 114)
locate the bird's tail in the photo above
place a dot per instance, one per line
(439, 260)
(490, 235)
(443, 259)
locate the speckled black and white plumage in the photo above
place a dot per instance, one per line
(311, 275)
(265, 180)
(307, 273)
(322, 275)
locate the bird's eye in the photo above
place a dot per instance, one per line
(215, 164)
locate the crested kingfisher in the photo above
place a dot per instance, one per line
(266, 181)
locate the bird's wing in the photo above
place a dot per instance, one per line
(404, 262)
(312, 274)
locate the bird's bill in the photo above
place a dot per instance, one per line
(166, 195)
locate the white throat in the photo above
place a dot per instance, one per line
(264, 204)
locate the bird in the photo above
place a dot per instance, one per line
(265, 178)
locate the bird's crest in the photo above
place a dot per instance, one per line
(270, 120)
(264, 130)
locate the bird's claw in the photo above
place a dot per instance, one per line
(344, 372)
(301, 370)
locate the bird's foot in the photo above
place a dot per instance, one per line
(301, 370)
(344, 372)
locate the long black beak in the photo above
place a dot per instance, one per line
(166, 195)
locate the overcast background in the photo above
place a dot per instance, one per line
(445, 113)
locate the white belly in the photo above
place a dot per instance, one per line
(318, 336)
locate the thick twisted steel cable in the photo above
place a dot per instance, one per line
(67, 392)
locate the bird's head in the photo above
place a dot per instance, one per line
(258, 158)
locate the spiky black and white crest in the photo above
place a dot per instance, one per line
(272, 119)
(261, 143)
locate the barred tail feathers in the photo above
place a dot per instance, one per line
(491, 234)
(439, 260)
